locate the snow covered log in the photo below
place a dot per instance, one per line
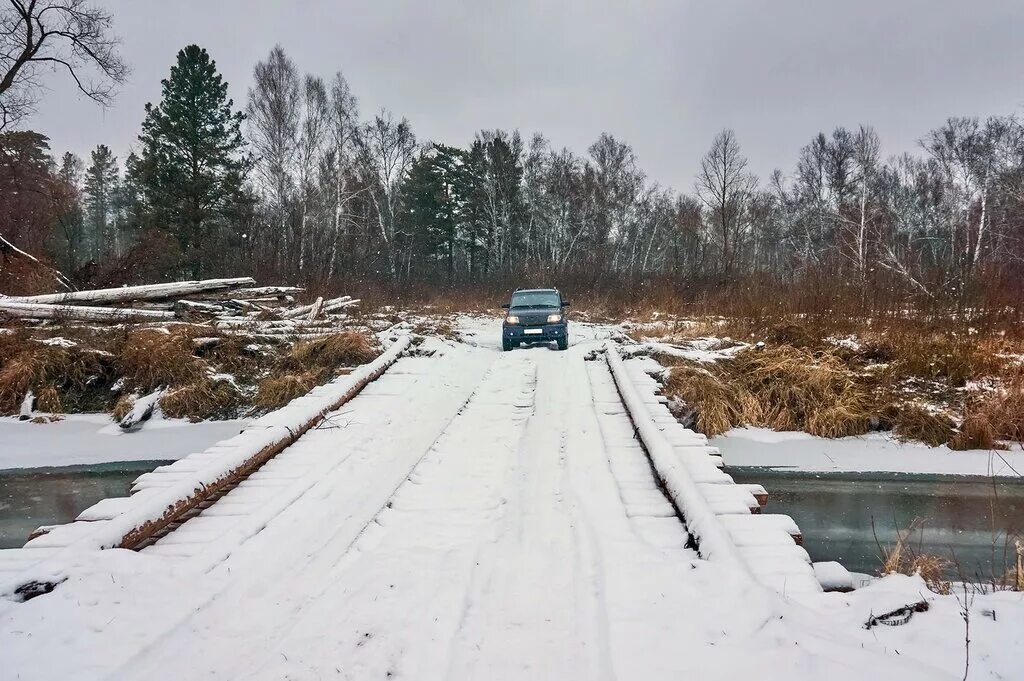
(254, 292)
(318, 306)
(27, 404)
(186, 309)
(141, 410)
(176, 289)
(9, 308)
(327, 306)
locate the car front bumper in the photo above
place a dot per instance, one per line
(534, 334)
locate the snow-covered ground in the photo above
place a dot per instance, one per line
(874, 452)
(468, 516)
(93, 438)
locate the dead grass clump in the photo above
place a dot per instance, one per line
(794, 335)
(150, 358)
(976, 432)
(203, 399)
(716, 405)
(914, 422)
(1018, 568)
(48, 399)
(67, 371)
(901, 558)
(345, 349)
(993, 417)
(953, 359)
(276, 391)
(121, 408)
(13, 340)
(795, 389)
(233, 354)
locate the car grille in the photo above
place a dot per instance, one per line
(533, 319)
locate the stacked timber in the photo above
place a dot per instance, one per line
(226, 304)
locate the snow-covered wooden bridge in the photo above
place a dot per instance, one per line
(448, 511)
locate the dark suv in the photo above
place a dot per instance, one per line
(535, 315)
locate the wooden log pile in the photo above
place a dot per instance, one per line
(235, 304)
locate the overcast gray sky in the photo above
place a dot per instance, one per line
(663, 75)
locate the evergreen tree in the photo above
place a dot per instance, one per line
(192, 162)
(101, 180)
(67, 200)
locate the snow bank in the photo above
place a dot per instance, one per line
(874, 452)
(82, 439)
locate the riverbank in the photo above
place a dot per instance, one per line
(792, 451)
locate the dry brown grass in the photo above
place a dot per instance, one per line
(311, 363)
(276, 391)
(141, 359)
(201, 400)
(718, 404)
(121, 408)
(48, 399)
(920, 377)
(993, 417)
(57, 375)
(901, 558)
(783, 388)
(345, 349)
(800, 390)
(150, 358)
(914, 422)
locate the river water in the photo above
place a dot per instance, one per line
(843, 517)
(50, 496)
(848, 517)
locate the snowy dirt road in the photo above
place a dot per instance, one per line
(471, 515)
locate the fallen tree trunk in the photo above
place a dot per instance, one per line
(326, 305)
(78, 313)
(141, 410)
(175, 289)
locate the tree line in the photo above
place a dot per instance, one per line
(296, 185)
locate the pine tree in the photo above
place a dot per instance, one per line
(67, 200)
(192, 162)
(101, 180)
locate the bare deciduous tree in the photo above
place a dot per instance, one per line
(387, 149)
(724, 185)
(62, 35)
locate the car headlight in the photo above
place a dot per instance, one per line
(554, 318)
(511, 319)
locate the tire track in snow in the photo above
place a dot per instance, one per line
(535, 606)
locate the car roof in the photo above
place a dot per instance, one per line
(535, 290)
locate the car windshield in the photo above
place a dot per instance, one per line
(536, 299)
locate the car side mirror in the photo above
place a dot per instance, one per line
(565, 303)
(505, 306)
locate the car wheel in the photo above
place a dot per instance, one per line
(506, 344)
(563, 343)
